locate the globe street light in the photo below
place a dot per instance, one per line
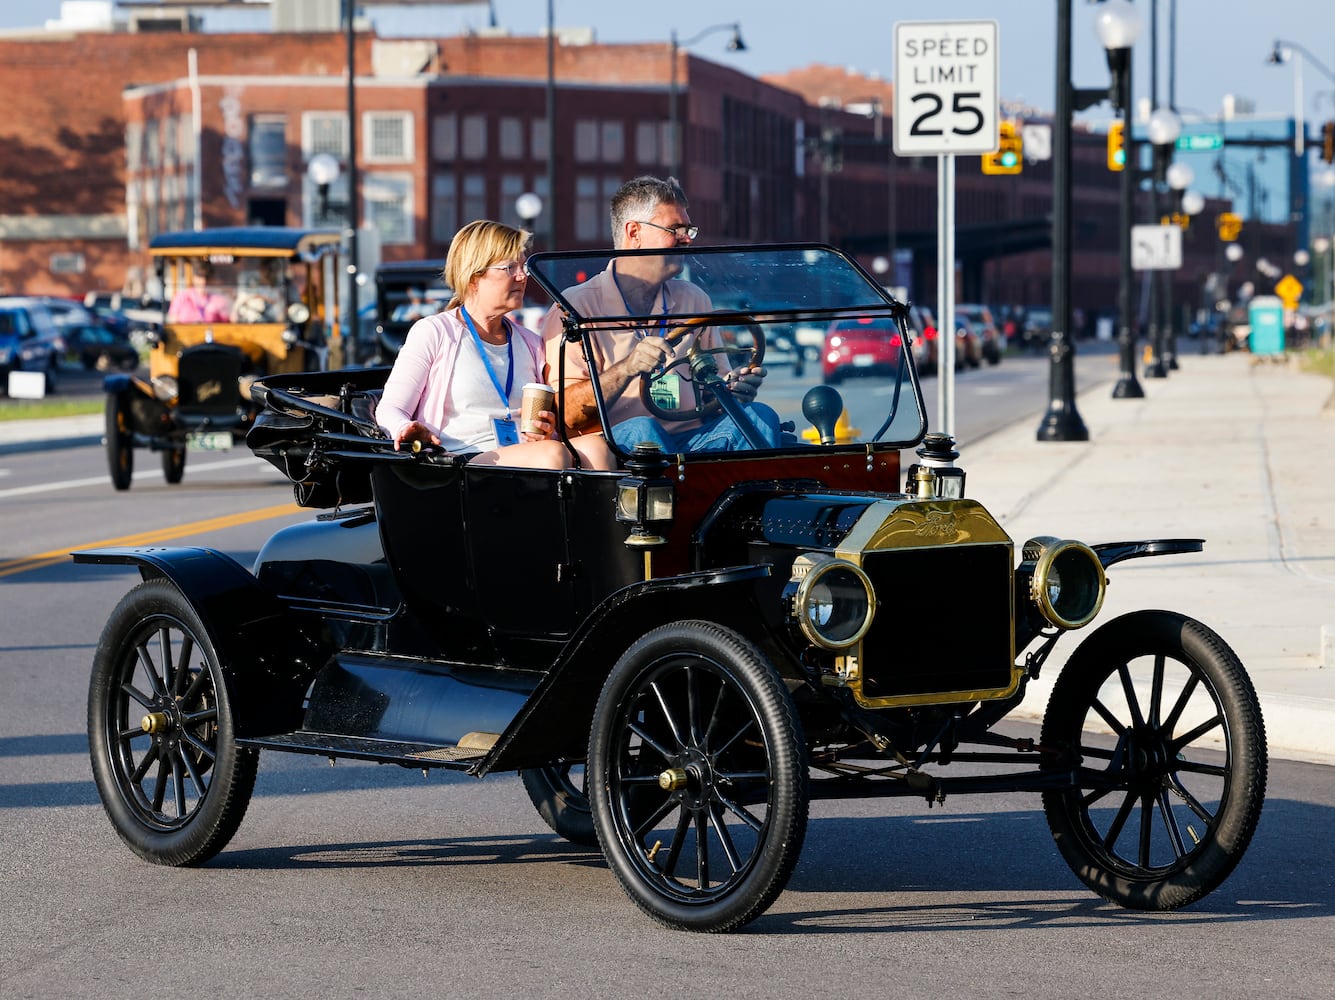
(735, 44)
(1164, 128)
(1118, 24)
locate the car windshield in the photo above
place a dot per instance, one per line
(720, 307)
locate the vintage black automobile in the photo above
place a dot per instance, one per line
(680, 655)
(266, 302)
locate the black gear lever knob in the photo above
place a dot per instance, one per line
(822, 407)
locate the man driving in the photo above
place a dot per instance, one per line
(647, 213)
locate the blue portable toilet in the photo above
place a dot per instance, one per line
(1267, 318)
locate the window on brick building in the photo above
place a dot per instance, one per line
(586, 141)
(538, 139)
(389, 136)
(588, 212)
(613, 145)
(475, 197)
(444, 206)
(445, 138)
(185, 139)
(474, 138)
(324, 132)
(388, 203)
(646, 143)
(512, 186)
(268, 151)
(152, 145)
(511, 138)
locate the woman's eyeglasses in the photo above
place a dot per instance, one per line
(515, 270)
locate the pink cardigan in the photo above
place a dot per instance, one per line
(419, 385)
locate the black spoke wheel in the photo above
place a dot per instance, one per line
(120, 441)
(698, 777)
(1167, 801)
(561, 796)
(160, 732)
(173, 464)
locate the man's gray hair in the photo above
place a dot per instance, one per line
(638, 199)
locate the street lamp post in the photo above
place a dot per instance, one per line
(1061, 421)
(1119, 24)
(353, 320)
(735, 44)
(1179, 176)
(1164, 128)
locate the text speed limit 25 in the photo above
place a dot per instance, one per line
(946, 88)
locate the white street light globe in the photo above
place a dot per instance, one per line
(323, 169)
(528, 206)
(880, 265)
(1328, 177)
(1301, 257)
(1193, 202)
(1321, 244)
(1165, 126)
(1180, 176)
(1233, 252)
(1118, 24)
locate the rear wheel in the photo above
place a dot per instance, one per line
(561, 795)
(698, 777)
(120, 441)
(1165, 807)
(161, 734)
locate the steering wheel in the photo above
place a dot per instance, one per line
(704, 370)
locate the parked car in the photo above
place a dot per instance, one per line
(927, 348)
(244, 302)
(98, 347)
(706, 642)
(29, 340)
(983, 323)
(1036, 328)
(865, 345)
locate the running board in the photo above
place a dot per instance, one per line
(463, 756)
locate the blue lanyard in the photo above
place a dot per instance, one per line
(662, 320)
(482, 351)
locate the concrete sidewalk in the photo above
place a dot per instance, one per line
(1224, 449)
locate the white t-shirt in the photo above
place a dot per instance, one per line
(475, 400)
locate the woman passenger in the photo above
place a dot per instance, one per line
(459, 378)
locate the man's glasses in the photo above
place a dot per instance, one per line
(515, 270)
(677, 232)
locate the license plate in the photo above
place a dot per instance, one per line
(209, 441)
(864, 360)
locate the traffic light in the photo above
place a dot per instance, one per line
(1328, 142)
(1117, 146)
(1009, 157)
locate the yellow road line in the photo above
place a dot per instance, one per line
(24, 563)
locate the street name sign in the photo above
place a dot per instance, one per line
(1156, 248)
(1200, 143)
(946, 90)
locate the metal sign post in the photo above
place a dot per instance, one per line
(946, 105)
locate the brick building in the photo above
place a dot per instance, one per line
(110, 137)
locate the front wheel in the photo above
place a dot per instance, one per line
(120, 441)
(698, 777)
(161, 734)
(173, 465)
(1165, 806)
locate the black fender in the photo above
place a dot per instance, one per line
(555, 721)
(261, 654)
(1115, 552)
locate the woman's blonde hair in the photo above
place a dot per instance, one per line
(475, 248)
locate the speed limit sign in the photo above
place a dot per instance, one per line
(946, 88)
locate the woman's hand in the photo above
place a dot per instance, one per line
(546, 423)
(415, 431)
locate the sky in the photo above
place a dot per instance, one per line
(1222, 45)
